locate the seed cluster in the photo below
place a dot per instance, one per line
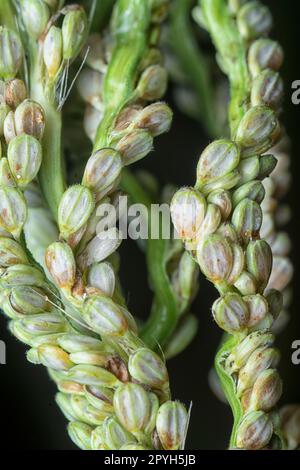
(220, 222)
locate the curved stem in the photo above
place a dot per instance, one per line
(193, 63)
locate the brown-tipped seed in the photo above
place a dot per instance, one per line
(132, 406)
(247, 219)
(54, 357)
(15, 92)
(267, 89)
(52, 51)
(11, 253)
(156, 118)
(188, 209)
(134, 146)
(105, 316)
(266, 391)
(222, 199)
(171, 425)
(153, 83)
(11, 53)
(75, 208)
(215, 258)
(258, 130)
(259, 261)
(219, 159)
(30, 119)
(265, 54)
(61, 265)
(13, 210)
(255, 431)
(257, 339)
(231, 313)
(24, 155)
(102, 170)
(254, 20)
(148, 368)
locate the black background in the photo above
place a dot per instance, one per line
(29, 418)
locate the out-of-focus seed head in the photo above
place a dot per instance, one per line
(267, 89)
(134, 146)
(90, 87)
(54, 357)
(254, 20)
(9, 127)
(257, 339)
(91, 121)
(75, 208)
(171, 425)
(52, 51)
(231, 313)
(96, 57)
(236, 5)
(15, 92)
(25, 157)
(275, 302)
(254, 190)
(215, 258)
(266, 391)
(74, 31)
(187, 277)
(105, 316)
(61, 265)
(260, 360)
(267, 164)
(11, 253)
(259, 262)
(219, 159)
(282, 273)
(155, 118)
(265, 54)
(255, 431)
(13, 210)
(290, 420)
(80, 434)
(258, 309)
(153, 83)
(222, 200)
(114, 436)
(35, 16)
(102, 170)
(247, 219)
(132, 407)
(30, 119)
(4, 110)
(188, 208)
(148, 368)
(11, 53)
(102, 276)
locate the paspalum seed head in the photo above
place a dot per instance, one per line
(171, 425)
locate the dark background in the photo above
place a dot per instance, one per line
(29, 418)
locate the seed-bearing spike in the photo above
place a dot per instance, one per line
(61, 264)
(231, 313)
(255, 431)
(132, 407)
(75, 208)
(188, 209)
(105, 316)
(25, 157)
(11, 53)
(171, 424)
(74, 31)
(147, 368)
(218, 160)
(80, 434)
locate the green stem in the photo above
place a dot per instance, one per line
(7, 14)
(164, 313)
(51, 175)
(233, 56)
(103, 11)
(193, 63)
